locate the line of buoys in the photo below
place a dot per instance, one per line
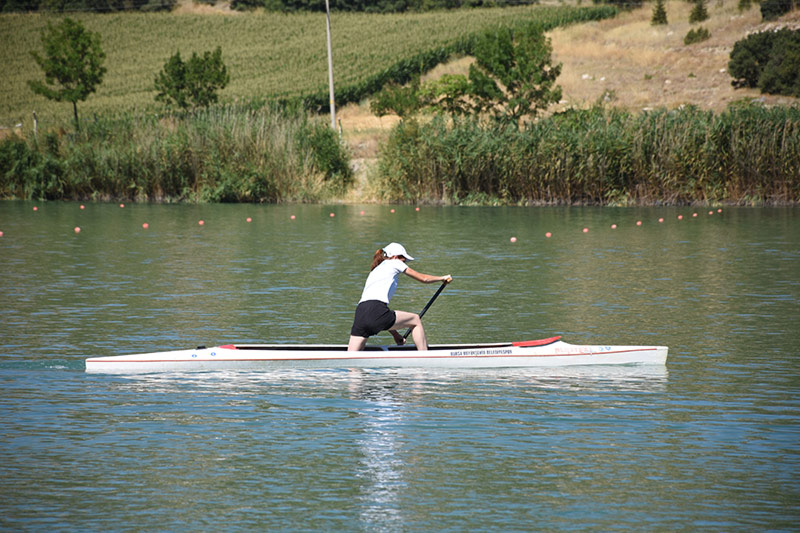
(639, 223)
(514, 239)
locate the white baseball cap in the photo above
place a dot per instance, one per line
(393, 249)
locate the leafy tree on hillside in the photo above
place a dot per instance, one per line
(193, 83)
(72, 64)
(449, 94)
(512, 77)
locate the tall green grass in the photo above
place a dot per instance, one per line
(268, 55)
(228, 154)
(747, 155)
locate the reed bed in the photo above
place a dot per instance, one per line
(228, 154)
(747, 155)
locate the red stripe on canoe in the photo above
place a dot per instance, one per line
(540, 342)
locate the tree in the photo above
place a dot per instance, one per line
(748, 58)
(782, 73)
(513, 76)
(193, 83)
(73, 60)
(659, 14)
(451, 93)
(773, 9)
(769, 60)
(699, 12)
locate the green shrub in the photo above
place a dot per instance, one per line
(328, 155)
(773, 9)
(769, 60)
(748, 57)
(17, 164)
(696, 36)
(781, 74)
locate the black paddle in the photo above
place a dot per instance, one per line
(438, 292)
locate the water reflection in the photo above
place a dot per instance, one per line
(381, 445)
(379, 385)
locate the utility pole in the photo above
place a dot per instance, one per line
(330, 67)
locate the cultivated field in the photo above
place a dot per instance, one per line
(267, 54)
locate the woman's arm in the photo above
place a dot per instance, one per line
(426, 278)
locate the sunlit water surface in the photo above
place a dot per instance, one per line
(709, 442)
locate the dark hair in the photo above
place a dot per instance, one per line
(377, 259)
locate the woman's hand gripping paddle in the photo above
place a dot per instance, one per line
(424, 309)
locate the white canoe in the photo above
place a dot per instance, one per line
(538, 353)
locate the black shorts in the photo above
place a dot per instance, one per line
(372, 317)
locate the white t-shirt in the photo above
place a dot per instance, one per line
(382, 281)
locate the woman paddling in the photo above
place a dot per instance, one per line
(373, 314)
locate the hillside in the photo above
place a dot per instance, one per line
(625, 62)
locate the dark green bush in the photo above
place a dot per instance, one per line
(328, 154)
(696, 36)
(748, 58)
(781, 74)
(773, 9)
(769, 60)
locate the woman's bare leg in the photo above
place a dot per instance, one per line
(412, 320)
(356, 343)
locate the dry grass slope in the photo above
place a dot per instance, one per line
(636, 65)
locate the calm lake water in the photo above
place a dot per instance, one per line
(711, 442)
